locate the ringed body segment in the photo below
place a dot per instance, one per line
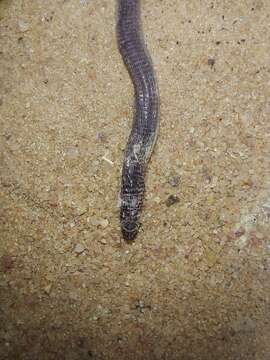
(146, 115)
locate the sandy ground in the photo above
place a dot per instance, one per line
(195, 284)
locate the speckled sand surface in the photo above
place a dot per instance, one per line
(195, 285)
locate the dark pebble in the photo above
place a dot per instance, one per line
(211, 62)
(172, 199)
(6, 263)
(7, 136)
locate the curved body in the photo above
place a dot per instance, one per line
(146, 115)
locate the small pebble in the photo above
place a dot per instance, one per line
(72, 152)
(211, 62)
(172, 199)
(140, 305)
(174, 181)
(103, 223)
(47, 289)
(244, 325)
(101, 137)
(23, 25)
(79, 249)
(6, 263)
(73, 295)
(7, 136)
(100, 222)
(157, 200)
(103, 241)
(81, 209)
(242, 242)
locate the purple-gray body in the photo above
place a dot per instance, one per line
(146, 115)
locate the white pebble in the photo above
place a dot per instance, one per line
(79, 248)
(23, 25)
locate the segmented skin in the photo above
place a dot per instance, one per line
(146, 115)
